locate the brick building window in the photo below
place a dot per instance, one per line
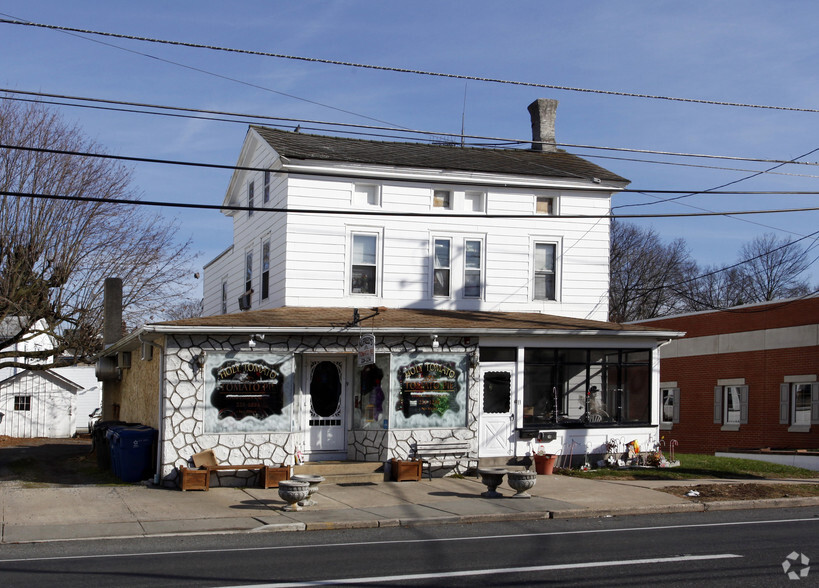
(731, 406)
(799, 405)
(670, 407)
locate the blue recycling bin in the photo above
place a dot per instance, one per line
(131, 451)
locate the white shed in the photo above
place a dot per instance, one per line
(38, 403)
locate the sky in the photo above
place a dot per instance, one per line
(732, 51)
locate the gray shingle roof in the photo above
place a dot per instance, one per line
(401, 318)
(301, 146)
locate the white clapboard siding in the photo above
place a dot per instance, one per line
(310, 253)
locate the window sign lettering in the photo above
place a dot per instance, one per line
(431, 391)
(249, 392)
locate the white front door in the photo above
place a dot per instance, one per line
(497, 420)
(326, 388)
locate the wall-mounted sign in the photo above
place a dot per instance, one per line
(366, 350)
(428, 387)
(249, 388)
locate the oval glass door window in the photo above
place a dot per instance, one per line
(325, 389)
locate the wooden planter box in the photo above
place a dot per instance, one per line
(274, 475)
(194, 479)
(401, 470)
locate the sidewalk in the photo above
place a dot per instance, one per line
(90, 512)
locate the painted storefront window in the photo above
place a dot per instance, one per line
(430, 390)
(248, 392)
(372, 388)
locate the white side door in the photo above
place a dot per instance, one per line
(326, 390)
(496, 426)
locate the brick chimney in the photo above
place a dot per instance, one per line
(543, 111)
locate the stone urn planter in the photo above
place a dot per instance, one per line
(313, 482)
(521, 482)
(492, 477)
(293, 492)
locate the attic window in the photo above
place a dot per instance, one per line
(545, 205)
(22, 403)
(474, 201)
(366, 195)
(442, 199)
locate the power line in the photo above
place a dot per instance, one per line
(409, 71)
(383, 212)
(428, 135)
(135, 159)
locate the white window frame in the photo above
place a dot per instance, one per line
(377, 266)
(248, 281)
(674, 394)
(447, 269)
(471, 270)
(555, 272)
(450, 200)
(787, 403)
(264, 266)
(250, 197)
(731, 420)
(545, 197)
(371, 195)
(472, 197)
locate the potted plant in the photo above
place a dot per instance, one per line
(544, 462)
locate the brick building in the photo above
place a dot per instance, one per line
(742, 378)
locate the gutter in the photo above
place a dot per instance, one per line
(129, 341)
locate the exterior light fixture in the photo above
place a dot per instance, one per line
(435, 345)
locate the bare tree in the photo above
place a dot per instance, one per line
(55, 254)
(644, 273)
(773, 269)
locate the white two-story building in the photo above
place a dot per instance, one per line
(379, 294)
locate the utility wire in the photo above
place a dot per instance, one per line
(383, 212)
(179, 162)
(407, 70)
(429, 135)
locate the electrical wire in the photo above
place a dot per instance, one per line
(135, 159)
(385, 212)
(427, 135)
(407, 70)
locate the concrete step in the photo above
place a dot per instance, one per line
(510, 463)
(343, 472)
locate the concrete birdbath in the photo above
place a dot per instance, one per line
(521, 482)
(314, 482)
(492, 477)
(293, 492)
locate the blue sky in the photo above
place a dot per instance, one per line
(753, 52)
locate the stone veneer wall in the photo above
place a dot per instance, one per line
(183, 433)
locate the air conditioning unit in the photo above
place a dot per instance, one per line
(244, 301)
(124, 360)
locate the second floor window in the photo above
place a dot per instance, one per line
(442, 271)
(250, 199)
(265, 269)
(363, 272)
(22, 403)
(224, 297)
(472, 268)
(266, 194)
(248, 271)
(544, 271)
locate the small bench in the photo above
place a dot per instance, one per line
(205, 462)
(459, 450)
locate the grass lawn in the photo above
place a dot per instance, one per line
(694, 465)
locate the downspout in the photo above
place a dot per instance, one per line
(161, 407)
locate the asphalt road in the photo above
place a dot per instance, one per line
(731, 548)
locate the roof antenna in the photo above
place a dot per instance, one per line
(463, 115)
